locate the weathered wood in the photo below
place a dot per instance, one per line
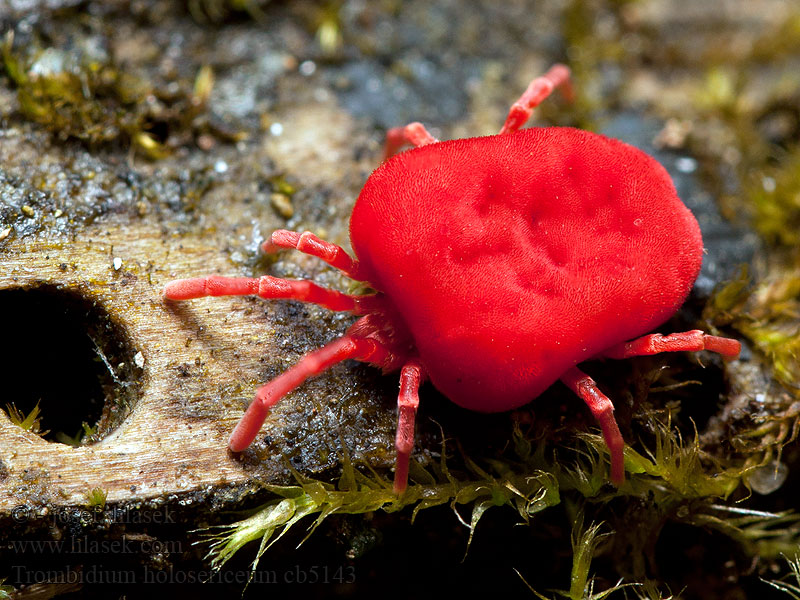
(201, 366)
(203, 359)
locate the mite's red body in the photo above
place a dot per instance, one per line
(499, 264)
(514, 257)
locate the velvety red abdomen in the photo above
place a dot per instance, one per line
(514, 257)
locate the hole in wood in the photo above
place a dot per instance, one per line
(67, 369)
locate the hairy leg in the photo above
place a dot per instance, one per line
(538, 89)
(414, 134)
(270, 394)
(310, 244)
(268, 287)
(411, 377)
(688, 341)
(603, 410)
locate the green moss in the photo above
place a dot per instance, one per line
(30, 422)
(69, 96)
(584, 547)
(590, 48)
(328, 26)
(280, 185)
(774, 193)
(78, 96)
(84, 435)
(768, 314)
(792, 590)
(7, 592)
(357, 493)
(675, 478)
(217, 11)
(759, 534)
(96, 497)
(780, 41)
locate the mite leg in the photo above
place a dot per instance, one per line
(603, 411)
(310, 244)
(407, 402)
(413, 133)
(311, 364)
(690, 341)
(538, 89)
(266, 287)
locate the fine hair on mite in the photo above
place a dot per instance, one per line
(498, 264)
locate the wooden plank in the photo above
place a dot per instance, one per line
(202, 361)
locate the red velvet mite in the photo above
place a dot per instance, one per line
(499, 263)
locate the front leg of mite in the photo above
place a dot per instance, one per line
(266, 286)
(411, 376)
(603, 410)
(308, 243)
(414, 134)
(558, 76)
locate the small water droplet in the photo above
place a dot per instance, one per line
(768, 478)
(307, 67)
(686, 164)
